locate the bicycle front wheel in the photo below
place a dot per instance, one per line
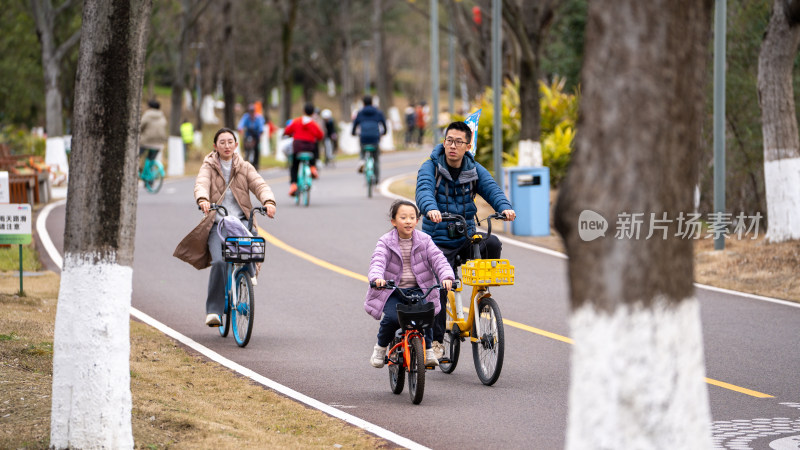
(397, 373)
(242, 309)
(225, 325)
(416, 371)
(488, 348)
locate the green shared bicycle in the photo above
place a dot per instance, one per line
(152, 175)
(303, 178)
(369, 168)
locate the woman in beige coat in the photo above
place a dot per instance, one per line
(219, 168)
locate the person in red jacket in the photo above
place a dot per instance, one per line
(306, 134)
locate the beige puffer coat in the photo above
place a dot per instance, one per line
(210, 182)
(153, 129)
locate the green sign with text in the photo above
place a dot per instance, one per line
(15, 223)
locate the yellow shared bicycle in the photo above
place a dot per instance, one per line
(483, 325)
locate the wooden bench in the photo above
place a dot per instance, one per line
(29, 177)
(22, 188)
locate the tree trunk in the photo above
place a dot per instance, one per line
(91, 404)
(382, 86)
(637, 371)
(289, 14)
(179, 72)
(45, 16)
(347, 76)
(779, 123)
(228, 95)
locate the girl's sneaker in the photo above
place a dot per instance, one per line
(430, 359)
(378, 356)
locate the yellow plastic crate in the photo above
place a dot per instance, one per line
(487, 272)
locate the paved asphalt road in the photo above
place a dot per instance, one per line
(312, 334)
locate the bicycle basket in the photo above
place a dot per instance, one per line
(415, 317)
(487, 272)
(244, 249)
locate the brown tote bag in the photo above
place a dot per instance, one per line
(193, 248)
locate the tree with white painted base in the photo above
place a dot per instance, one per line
(91, 406)
(779, 122)
(637, 372)
(529, 22)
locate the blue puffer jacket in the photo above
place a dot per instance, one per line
(372, 124)
(436, 190)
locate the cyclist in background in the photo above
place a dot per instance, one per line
(306, 134)
(251, 126)
(152, 131)
(373, 125)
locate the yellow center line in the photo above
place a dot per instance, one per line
(322, 263)
(558, 337)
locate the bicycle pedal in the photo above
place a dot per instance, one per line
(444, 361)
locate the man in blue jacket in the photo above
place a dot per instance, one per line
(373, 125)
(448, 182)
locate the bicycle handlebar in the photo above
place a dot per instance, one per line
(390, 284)
(461, 220)
(224, 212)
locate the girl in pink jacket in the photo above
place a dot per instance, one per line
(409, 257)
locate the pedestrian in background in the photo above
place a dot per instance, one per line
(411, 121)
(187, 135)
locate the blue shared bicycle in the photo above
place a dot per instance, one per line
(240, 252)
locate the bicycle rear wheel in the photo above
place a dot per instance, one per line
(154, 181)
(452, 350)
(397, 373)
(369, 170)
(416, 371)
(488, 350)
(242, 310)
(451, 341)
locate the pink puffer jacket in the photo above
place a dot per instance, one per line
(387, 263)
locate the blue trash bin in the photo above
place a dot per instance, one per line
(530, 194)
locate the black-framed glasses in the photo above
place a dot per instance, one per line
(450, 141)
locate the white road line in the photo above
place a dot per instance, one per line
(216, 357)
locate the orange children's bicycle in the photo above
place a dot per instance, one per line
(407, 351)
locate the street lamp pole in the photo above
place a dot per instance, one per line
(497, 71)
(719, 114)
(435, 69)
